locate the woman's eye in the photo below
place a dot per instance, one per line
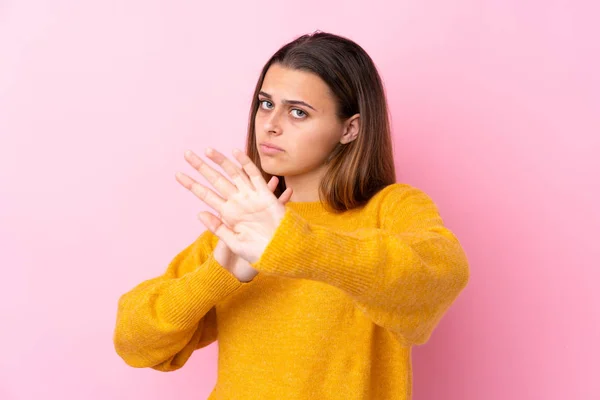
(267, 105)
(262, 102)
(301, 114)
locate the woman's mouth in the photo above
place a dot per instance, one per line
(269, 150)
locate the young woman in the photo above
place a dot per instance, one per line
(318, 272)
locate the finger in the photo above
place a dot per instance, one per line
(202, 192)
(220, 219)
(219, 228)
(209, 220)
(272, 184)
(251, 169)
(237, 174)
(216, 179)
(286, 195)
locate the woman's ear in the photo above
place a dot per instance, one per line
(351, 129)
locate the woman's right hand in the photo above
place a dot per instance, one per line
(235, 264)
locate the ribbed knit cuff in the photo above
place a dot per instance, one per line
(299, 249)
(198, 292)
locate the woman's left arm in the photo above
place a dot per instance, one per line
(403, 275)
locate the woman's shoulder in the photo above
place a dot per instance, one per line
(402, 201)
(396, 193)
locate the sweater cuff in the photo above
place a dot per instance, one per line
(303, 250)
(199, 291)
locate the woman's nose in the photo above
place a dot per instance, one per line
(272, 122)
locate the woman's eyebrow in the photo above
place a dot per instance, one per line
(292, 102)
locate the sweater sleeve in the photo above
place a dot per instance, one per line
(403, 275)
(161, 321)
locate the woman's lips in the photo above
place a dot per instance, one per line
(269, 150)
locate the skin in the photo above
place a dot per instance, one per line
(307, 135)
(248, 213)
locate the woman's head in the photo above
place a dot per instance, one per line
(321, 100)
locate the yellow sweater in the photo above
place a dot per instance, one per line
(332, 314)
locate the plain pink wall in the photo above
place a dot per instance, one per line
(495, 108)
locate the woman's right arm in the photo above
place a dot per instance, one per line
(161, 321)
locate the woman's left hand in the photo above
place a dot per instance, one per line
(249, 212)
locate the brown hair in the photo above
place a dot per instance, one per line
(364, 166)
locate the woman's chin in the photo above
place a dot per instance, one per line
(271, 170)
(269, 166)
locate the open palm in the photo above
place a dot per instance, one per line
(235, 264)
(249, 211)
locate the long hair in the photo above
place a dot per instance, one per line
(361, 168)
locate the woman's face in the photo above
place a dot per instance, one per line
(297, 113)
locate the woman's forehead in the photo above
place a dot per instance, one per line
(292, 84)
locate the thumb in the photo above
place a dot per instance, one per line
(287, 193)
(219, 229)
(210, 221)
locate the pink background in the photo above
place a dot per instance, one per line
(495, 109)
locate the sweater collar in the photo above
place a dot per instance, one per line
(307, 207)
